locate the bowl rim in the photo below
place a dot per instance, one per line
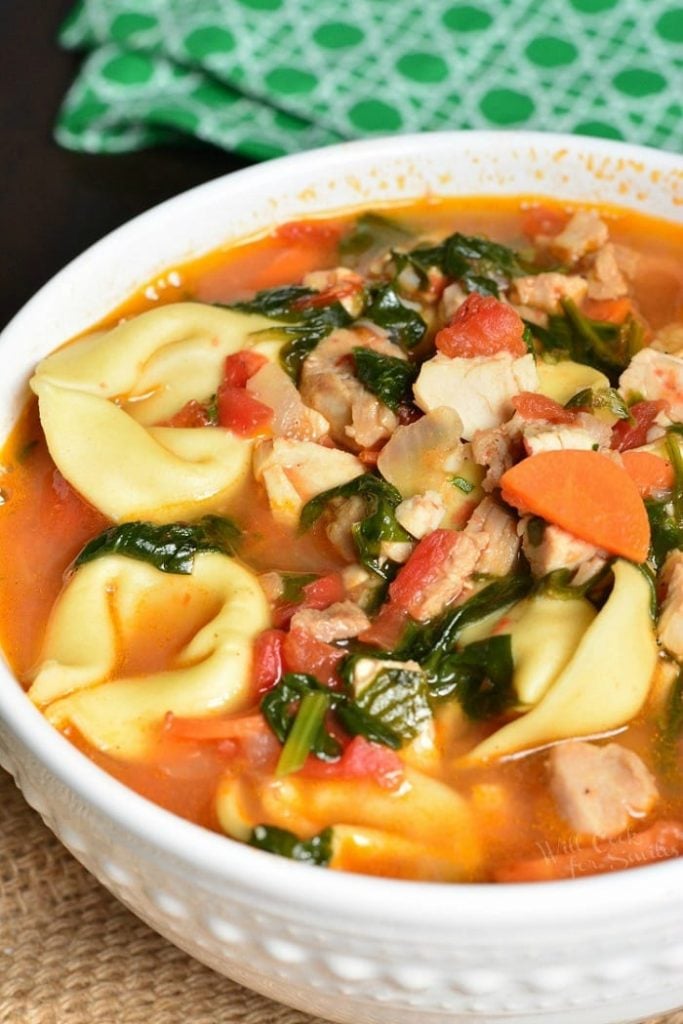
(442, 906)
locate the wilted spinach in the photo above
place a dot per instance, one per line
(316, 850)
(304, 324)
(387, 377)
(170, 548)
(479, 677)
(403, 324)
(378, 524)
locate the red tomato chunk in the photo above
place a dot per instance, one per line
(482, 326)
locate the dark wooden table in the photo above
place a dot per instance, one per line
(53, 203)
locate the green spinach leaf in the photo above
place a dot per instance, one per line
(441, 635)
(600, 398)
(170, 548)
(385, 308)
(479, 264)
(281, 705)
(398, 698)
(606, 346)
(386, 377)
(303, 324)
(317, 850)
(379, 523)
(479, 677)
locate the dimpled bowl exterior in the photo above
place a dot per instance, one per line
(370, 951)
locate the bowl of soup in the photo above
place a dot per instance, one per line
(342, 592)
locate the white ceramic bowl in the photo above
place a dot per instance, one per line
(350, 948)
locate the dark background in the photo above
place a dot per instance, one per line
(53, 203)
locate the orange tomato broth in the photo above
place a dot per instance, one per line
(44, 523)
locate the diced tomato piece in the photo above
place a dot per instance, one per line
(240, 366)
(543, 220)
(303, 653)
(388, 627)
(482, 326)
(192, 414)
(242, 413)
(361, 760)
(422, 568)
(614, 311)
(309, 232)
(323, 592)
(319, 594)
(533, 406)
(267, 659)
(627, 435)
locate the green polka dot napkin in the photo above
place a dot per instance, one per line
(266, 77)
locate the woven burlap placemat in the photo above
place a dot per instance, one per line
(71, 954)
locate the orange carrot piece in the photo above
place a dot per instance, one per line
(649, 472)
(661, 841)
(613, 310)
(585, 493)
(208, 729)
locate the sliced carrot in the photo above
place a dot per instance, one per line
(649, 472)
(214, 728)
(613, 310)
(585, 493)
(661, 841)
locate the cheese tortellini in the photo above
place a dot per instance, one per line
(605, 683)
(423, 829)
(89, 678)
(101, 397)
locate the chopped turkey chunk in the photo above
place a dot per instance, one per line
(587, 433)
(655, 375)
(599, 790)
(291, 418)
(544, 291)
(605, 280)
(444, 581)
(496, 449)
(584, 233)
(478, 388)
(294, 471)
(328, 384)
(557, 549)
(421, 514)
(499, 530)
(338, 622)
(670, 624)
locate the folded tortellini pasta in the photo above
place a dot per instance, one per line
(605, 683)
(422, 829)
(100, 397)
(95, 675)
